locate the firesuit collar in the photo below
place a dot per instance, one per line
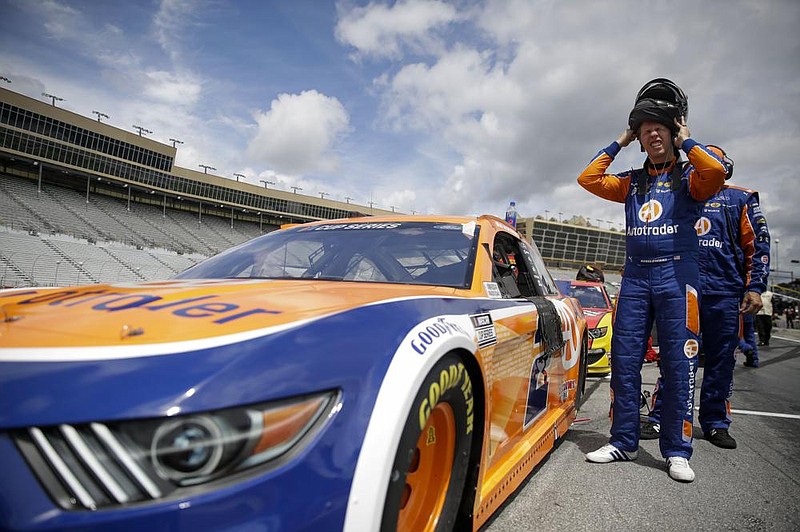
(674, 168)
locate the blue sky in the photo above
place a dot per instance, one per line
(422, 105)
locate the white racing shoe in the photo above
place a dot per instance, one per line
(609, 453)
(678, 468)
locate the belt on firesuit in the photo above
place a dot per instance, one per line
(648, 261)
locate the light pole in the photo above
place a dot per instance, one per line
(347, 199)
(175, 141)
(546, 215)
(559, 217)
(392, 207)
(100, 115)
(295, 189)
(129, 196)
(55, 279)
(266, 183)
(238, 176)
(206, 168)
(142, 130)
(53, 98)
(777, 256)
(323, 194)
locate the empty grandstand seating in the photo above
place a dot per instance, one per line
(53, 237)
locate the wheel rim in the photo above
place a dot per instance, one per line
(428, 476)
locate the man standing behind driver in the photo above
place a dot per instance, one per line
(734, 267)
(661, 279)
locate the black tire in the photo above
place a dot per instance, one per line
(449, 374)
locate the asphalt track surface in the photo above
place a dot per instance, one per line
(755, 487)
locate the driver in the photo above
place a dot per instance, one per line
(662, 201)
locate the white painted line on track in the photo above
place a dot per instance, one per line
(795, 340)
(766, 414)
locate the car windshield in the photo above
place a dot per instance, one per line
(589, 296)
(424, 253)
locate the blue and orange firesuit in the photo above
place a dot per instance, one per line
(734, 258)
(660, 282)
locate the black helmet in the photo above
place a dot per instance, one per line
(588, 272)
(727, 161)
(659, 100)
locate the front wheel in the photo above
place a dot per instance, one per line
(431, 464)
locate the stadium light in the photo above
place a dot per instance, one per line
(3, 78)
(99, 114)
(53, 98)
(266, 182)
(347, 199)
(323, 194)
(142, 130)
(238, 176)
(206, 168)
(295, 189)
(175, 141)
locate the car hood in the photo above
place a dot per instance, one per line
(179, 311)
(594, 315)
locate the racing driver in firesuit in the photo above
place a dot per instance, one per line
(661, 280)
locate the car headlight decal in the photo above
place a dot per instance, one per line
(100, 465)
(597, 332)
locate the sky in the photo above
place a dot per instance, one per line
(426, 106)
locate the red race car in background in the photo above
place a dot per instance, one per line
(599, 311)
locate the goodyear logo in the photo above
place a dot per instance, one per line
(433, 333)
(650, 211)
(714, 204)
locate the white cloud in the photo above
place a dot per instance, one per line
(172, 88)
(299, 132)
(381, 30)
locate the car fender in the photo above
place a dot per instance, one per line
(419, 351)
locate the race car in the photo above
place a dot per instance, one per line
(599, 311)
(378, 373)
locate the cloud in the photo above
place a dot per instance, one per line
(380, 31)
(299, 132)
(172, 88)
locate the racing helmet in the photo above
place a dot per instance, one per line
(727, 161)
(659, 100)
(589, 272)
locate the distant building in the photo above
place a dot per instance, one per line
(565, 245)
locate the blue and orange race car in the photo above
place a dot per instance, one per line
(393, 373)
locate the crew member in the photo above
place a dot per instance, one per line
(734, 266)
(661, 280)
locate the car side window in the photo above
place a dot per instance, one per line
(540, 276)
(510, 270)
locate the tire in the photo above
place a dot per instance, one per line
(427, 481)
(584, 368)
